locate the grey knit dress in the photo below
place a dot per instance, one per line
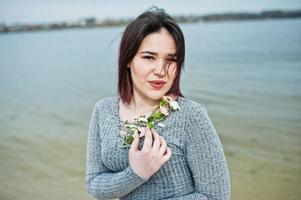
(197, 168)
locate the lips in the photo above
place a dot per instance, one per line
(157, 84)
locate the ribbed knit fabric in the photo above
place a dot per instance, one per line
(197, 168)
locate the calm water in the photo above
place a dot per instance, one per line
(247, 74)
(34, 11)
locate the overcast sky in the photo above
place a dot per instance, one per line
(35, 11)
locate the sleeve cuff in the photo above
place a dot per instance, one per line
(134, 176)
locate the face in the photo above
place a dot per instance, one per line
(154, 66)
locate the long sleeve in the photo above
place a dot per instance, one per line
(205, 158)
(191, 196)
(100, 181)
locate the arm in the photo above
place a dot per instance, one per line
(205, 159)
(190, 196)
(100, 181)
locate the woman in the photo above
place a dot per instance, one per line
(183, 159)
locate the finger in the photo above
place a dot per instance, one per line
(167, 156)
(157, 139)
(142, 133)
(163, 146)
(135, 144)
(148, 140)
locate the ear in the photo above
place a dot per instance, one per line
(128, 66)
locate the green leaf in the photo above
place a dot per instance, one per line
(160, 119)
(151, 124)
(162, 102)
(159, 115)
(129, 139)
(151, 118)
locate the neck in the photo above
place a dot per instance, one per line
(142, 105)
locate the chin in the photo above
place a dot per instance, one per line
(157, 95)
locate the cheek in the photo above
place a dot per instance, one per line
(141, 70)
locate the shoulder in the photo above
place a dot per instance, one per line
(195, 113)
(190, 107)
(106, 103)
(198, 123)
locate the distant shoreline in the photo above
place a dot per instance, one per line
(94, 22)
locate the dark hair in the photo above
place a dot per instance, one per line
(146, 23)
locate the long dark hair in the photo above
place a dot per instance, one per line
(146, 23)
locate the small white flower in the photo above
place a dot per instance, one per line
(167, 98)
(164, 110)
(135, 133)
(174, 105)
(142, 119)
(131, 126)
(161, 124)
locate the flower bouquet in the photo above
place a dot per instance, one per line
(166, 106)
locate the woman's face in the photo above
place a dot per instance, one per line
(147, 67)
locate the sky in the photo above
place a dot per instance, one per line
(39, 11)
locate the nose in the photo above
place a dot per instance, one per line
(159, 69)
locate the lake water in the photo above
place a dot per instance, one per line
(247, 74)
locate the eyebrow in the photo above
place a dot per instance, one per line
(154, 53)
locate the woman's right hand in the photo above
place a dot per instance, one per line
(151, 157)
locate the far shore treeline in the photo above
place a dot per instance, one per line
(94, 22)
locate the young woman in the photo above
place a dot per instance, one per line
(179, 158)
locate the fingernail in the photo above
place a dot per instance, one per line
(142, 133)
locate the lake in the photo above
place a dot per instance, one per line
(246, 73)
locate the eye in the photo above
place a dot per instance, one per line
(172, 60)
(148, 57)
